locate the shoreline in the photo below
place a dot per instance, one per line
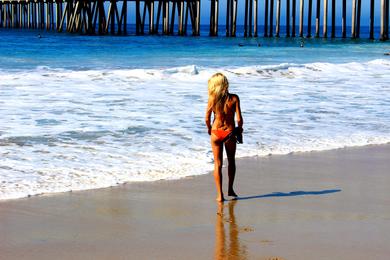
(194, 176)
(256, 157)
(330, 204)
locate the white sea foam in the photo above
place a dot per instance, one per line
(64, 130)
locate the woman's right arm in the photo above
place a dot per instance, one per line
(209, 110)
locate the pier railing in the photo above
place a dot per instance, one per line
(175, 16)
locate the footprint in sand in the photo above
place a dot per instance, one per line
(247, 229)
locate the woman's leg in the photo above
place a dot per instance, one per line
(230, 147)
(217, 148)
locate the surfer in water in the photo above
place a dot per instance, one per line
(223, 131)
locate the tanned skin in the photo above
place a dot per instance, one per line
(224, 121)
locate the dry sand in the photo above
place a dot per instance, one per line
(318, 205)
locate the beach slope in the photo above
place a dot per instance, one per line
(317, 205)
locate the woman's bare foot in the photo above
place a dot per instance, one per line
(232, 193)
(220, 198)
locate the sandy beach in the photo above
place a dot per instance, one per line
(318, 205)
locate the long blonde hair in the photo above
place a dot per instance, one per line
(218, 88)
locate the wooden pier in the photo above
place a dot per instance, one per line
(175, 17)
(101, 16)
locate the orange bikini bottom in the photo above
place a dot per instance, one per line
(223, 135)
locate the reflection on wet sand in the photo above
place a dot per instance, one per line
(228, 246)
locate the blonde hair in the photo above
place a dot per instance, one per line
(218, 88)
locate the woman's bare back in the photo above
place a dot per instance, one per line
(224, 120)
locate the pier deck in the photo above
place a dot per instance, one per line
(174, 17)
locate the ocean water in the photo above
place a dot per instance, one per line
(80, 112)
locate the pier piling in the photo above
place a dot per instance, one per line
(293, 17)
(256, 11)
(287, 18)
(344, 19)
(359, 13)
(250, 18)
(271, 19)
(372, 17)
(325, 29)
(266, 2)
(234, 16)
(318, 13)
(277, 32)
(333, 30)
(301, 11)
(246, 19)
(353, 23)
(310, 6)
(387, 20)
(383, 20)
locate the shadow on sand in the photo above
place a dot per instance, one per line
(289, 194)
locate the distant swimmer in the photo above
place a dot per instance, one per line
(302, 44)
(259, 44)
(222, 129)
(387, 54)
(240, 44)
(39, 35)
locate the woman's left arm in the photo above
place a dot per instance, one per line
(240, 121)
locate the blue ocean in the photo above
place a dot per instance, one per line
(81, 112)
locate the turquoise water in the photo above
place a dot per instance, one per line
(82, 112)
(22, 49)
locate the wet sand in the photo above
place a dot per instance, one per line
(318, 205)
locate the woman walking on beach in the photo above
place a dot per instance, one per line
(223, 129)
